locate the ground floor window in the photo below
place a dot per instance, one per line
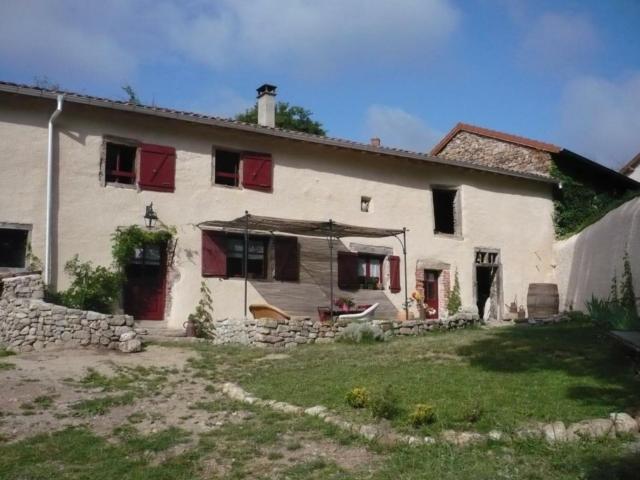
(256, 257)
(370, 272)
(13, 247)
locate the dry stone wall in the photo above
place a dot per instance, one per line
(28, 323)
(280, 334)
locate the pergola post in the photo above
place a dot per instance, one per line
(331, 268)
(245, 258)
(406, 286)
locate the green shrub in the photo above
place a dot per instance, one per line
(361, 333)
(422, 414)
(92, 288)
(473, 412)
(384, 404)
(611, 315)
(627, 293)
(357, 397)
(455, 301)
(203, 316)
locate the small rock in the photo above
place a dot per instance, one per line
(495, 435)
(130, 346)
(554, 432)
(596, 428)
(622, 422)
(317, 411)
(126, 336)
(370, 432)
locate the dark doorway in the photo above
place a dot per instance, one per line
(431, 292)
(486, 288)
(144, 291)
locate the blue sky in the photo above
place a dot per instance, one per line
(566, 72)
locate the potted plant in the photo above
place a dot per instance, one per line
(344, 303)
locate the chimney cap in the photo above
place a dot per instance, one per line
(266, 89)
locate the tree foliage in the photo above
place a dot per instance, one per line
(289, 117)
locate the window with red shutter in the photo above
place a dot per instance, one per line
(214, 254)
(157, 168)
(394, 274)
(257, 171)
(287, 259)
(348, 270)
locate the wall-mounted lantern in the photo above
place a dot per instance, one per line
(150, 216)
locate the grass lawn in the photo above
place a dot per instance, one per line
(476, 379)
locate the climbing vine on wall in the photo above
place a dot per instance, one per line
(126, 240)
(578, 205)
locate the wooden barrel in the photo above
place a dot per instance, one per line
(542, 300)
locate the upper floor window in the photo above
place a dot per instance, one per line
(120, 165)
(147, 166)
(227, 168)
(13, 247)
(251, 170)
(446, 211)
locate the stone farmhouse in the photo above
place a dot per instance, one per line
(76, 168)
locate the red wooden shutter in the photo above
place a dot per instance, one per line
(257, 171)
(287, 259)
(157, 168)
(214, 254)
(394, 273)
(348, 270)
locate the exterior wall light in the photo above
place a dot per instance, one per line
(150, 216)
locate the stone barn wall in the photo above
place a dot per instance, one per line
(28, 323)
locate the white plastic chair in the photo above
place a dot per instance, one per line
(362, 316)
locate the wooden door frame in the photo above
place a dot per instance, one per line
(497, 280)
(164, 271)
(424, 287)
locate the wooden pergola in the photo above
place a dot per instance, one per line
(328, 229)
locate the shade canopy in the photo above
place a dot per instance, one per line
(307, 228)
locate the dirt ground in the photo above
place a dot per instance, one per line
(41, 393)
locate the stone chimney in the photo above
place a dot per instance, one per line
(267, 105)
(375, 142)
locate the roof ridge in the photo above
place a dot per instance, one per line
(631, 165)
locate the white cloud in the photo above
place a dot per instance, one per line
(398, 128)
(601, 118)
(45, 39)
(559, 42)
(110, 39)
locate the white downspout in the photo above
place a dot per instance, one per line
(47, 240)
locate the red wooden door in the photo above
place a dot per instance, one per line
(431, 292)
(144, 292)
